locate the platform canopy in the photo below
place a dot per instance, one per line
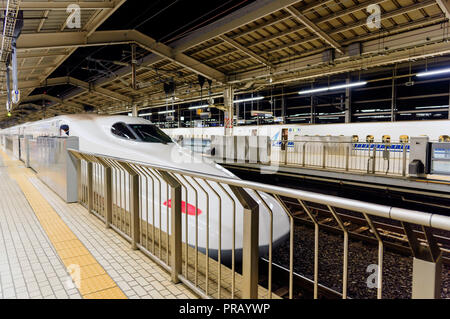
(256, 44)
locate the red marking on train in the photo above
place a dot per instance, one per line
(190, 208)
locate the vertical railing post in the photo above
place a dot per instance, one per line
(107, 191)
(78, 158)
(374, 158)
(108, 196)
(176, 228)
(427, 264)
(347, 157)
(250, 249)
(90, 186)
(135, 222)
(285, 152)
(405, 152)
(324, 156)
(304, 155)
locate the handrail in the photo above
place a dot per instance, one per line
(395, 213)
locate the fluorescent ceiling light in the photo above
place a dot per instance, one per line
(375, 117)
(166, 112)
(198, 107)
(423, 114)
(374, 110)
(334, 87)
(431, 107)
(435, 72)
(250, 99)
(145, 114)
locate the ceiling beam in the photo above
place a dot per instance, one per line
(41, 23)
(445, 7)
(75, 82)
(62, 5)
(314, 28)
(403, 47)
(249, 52)
(100, 38)
(50, 98)
(98, 18)
(254, 11)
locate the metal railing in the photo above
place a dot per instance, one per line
(370, 158)
(157, 209)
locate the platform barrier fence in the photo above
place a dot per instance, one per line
(210, 232)
(370, 158)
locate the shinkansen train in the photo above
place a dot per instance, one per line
(395, 132)
(137, 139)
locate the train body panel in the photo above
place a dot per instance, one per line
(95, 136)
(433, 129)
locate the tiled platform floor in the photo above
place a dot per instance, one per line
(30, 266)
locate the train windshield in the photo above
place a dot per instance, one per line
(150, 133)
(121, 130)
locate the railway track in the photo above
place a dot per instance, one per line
(303, 286)
(393, 235)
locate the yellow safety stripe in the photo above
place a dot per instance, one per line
(94, 282)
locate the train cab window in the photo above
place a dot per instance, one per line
(64, 129)
(150, 133)
(444, 139)
(121, 130)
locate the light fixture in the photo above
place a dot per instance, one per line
(198, 107)
(166, 112)
(435, 72)
(145, 114)
(335, 87)
(250, 99)
(430, 107)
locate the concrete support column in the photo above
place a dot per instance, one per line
(133, 66)
(228, 97)
(313, 110)
(394, 95)
(449, 100)
(348, 103)
(283, 106)
(134, 111)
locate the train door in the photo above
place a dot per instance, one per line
(284, 138)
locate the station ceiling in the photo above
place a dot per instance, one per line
(245, 44)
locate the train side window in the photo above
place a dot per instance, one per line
(121, 130)
(370, 139)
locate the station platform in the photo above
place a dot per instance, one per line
(53, 250)
(430, 185)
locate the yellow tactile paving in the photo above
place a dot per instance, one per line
(95, 282)
(115, 292)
